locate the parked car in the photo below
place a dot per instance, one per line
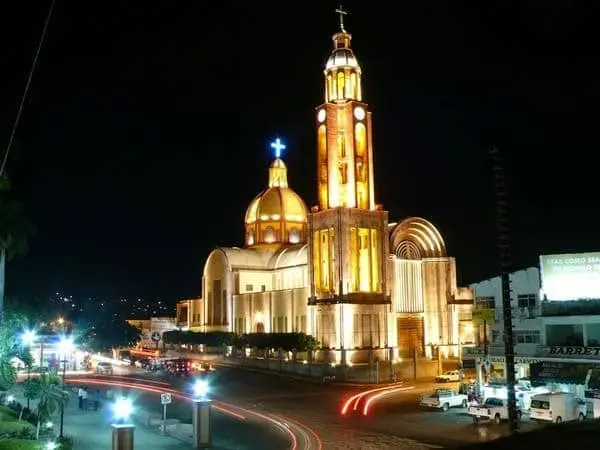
(495, 409)
(444, 399)
(104, 368)
(448, 377)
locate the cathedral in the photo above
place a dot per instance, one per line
(339, 271)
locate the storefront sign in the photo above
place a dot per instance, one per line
(574, 351)
(562, 372)
(473, 351)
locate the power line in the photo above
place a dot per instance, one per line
(26, 91)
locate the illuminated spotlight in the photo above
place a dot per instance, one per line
(201, 388)
(51, 446)
(122, 409)
(28, 337)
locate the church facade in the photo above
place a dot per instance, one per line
(339, 271)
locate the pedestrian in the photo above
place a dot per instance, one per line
(84, 399)
(96, 400)
(80, 397)
(109, 394)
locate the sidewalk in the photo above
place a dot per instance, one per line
(91, 430)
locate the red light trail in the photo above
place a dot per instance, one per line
(301, 436)
(369, 396)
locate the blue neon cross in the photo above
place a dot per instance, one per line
(278, 147)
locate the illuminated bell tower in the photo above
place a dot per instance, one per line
(347, 230)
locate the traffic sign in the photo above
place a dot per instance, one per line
(165, 398)
(156, 337)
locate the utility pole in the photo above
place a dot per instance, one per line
(505, 264)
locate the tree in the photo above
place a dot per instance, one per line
(50, 397)
(10, 347)
(15, 230)
(104, 335)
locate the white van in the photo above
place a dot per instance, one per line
(557, 407)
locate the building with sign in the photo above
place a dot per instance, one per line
(557, 338)
(339, 271)
(152, 329)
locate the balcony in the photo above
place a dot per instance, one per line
(356, 298)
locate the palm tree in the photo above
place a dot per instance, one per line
(50, 398)
(14, 231)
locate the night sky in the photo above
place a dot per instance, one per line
(146, 131)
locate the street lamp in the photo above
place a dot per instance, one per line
(201, 389)
(202, 417)
(65, 346)
(122, 438)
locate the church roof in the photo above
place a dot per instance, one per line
(276, 203)
(265, 259)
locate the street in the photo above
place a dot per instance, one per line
(394, 418)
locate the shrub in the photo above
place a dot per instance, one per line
(20, 430)
(20, 444)
(7, 413)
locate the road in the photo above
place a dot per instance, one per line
(234, 427)
(393, 421)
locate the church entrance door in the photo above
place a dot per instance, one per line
(259, 328)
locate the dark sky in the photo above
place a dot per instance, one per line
(146, 132)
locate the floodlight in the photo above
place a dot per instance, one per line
(65, 345)
(28, 337)
(10, 398)
(122, 408)
(201, 388)
(51, 446)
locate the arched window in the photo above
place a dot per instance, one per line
(360, 136)
(353, 85)
(294, 236)
(322, 138)
(269, 235)
(250, 237)
(340, 85)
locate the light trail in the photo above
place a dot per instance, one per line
(301, 436)
(355, 399)
(124, 377)
(371, 395)
(381, 394)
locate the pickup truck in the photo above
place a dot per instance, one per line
(444, 399)
(495, 409)
(448, 377)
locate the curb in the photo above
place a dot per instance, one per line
(299, 377)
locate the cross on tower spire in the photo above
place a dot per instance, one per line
(342, 13)
(278, 146)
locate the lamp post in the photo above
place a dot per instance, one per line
(65, 346)
(202, 416)
(122, 435)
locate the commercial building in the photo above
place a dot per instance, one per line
(556, 322)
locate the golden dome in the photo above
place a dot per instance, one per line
(277, 215)
(276, 203)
